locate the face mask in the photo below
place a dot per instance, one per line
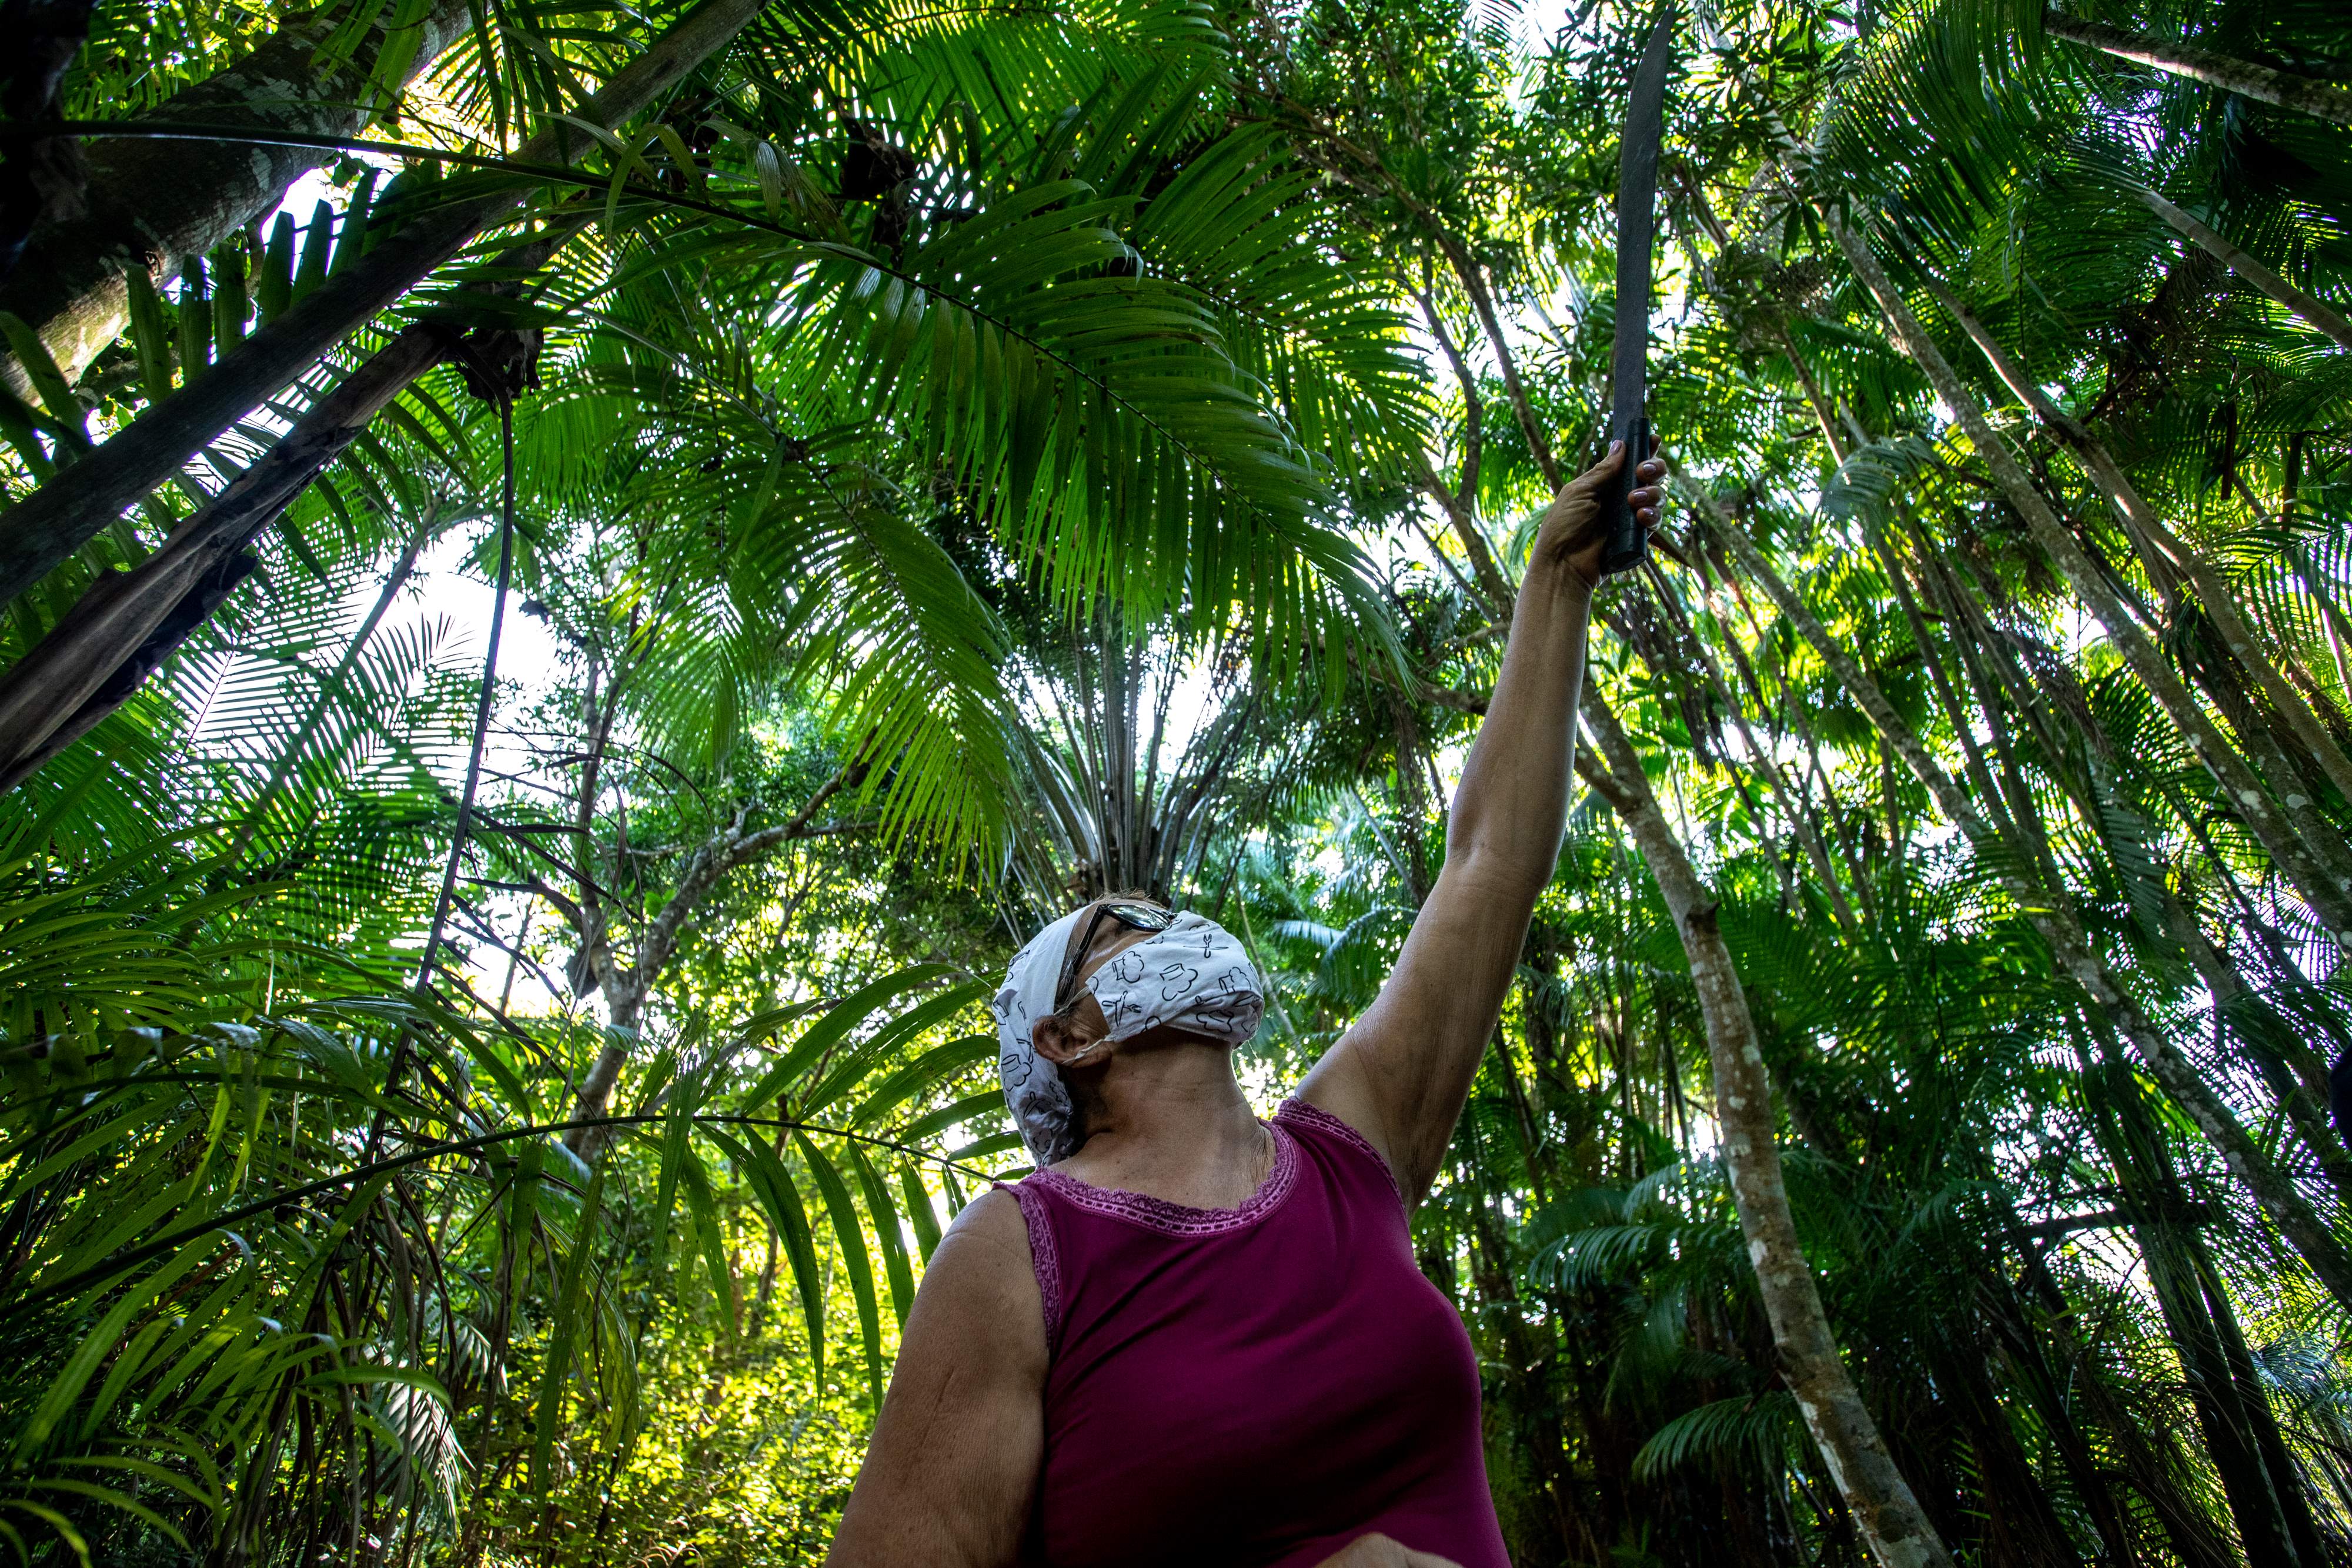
(1194, 975)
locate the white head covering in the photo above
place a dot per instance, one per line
(1194, 973)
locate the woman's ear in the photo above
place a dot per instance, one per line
(1076, 1036)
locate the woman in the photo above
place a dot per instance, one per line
(1194, 1337)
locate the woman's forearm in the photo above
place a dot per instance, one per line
(1512, 806)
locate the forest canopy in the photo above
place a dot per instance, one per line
(579, 577)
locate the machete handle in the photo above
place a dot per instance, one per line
(1628, 542)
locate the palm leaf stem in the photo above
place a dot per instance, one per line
(119, 617)
(463, 829)
(386, 1165)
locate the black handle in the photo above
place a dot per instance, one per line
(1629, 542)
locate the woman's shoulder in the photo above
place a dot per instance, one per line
(981, 1283)
(990, 1234)
(993, 1215)
(1313, 1123)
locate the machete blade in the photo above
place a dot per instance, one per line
(1629, 380)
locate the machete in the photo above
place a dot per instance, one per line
(1629, 381)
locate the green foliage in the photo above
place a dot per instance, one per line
(351, 1216)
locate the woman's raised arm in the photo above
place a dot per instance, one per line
(1400, 1074)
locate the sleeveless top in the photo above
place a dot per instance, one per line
(1252, 1387)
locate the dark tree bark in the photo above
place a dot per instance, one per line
(148, 202)
(42, 177)
(65, 514)
(127, 623)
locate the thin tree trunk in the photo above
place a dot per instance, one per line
(1884, 1510)
(1838, 450)
(2164, 1223)
(2261, 1030)
(65, 514)
(1801, 823)
(2321, 871)
(2220, 603)
(2323, 100)
(1465, 268)
(626, 990)
(2280, 290)
(149, 202)
(2213, 966)
(2051, 912)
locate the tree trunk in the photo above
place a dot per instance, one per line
(95, 656)
(63, 515)
(2280, 290)
(126, 624)
(149, 202)
(625, 998)
(1885, 1512)
(2323, 100)
(2320, 871)
(626, 990)
(2231, 1414)
(1465, 269)
(2052, 914)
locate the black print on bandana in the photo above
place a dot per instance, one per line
(1176, 979)
(1014, 1070)
(1006, 1000)
(1119, 967)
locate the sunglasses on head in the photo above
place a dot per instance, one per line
(1134, 917)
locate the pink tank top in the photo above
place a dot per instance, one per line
(1252, 1387)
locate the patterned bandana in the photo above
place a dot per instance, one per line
(1195, 974)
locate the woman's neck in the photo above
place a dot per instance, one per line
(1172, 1123)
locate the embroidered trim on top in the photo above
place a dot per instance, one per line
(1044, 1258)
(1322, 1121)
(1176, 1219)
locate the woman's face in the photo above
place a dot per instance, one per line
(1075, 1036)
